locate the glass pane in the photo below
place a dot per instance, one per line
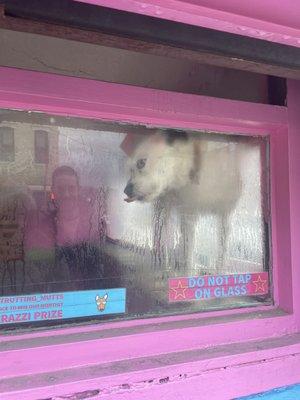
(41, 147)
(191, 235)
(7, 136)
(41, 139)
(6, 143)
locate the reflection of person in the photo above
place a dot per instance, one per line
(70, 228)
(72, 212)
(69, 218)
(77, 256)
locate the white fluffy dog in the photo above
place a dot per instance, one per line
(197, 175)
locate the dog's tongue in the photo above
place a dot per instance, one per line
(130, 199)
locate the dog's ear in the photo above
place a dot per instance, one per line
(130, 143)
(158, 138)
(172, 135)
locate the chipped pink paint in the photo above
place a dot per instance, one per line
(272, 20)
(130, 340)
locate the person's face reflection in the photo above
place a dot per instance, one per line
(66, 192)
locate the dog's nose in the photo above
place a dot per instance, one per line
(129, 189)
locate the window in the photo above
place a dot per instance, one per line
(41, 147)
(138, 222)
(46, 277)
(7, 147)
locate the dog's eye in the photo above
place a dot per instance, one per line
(141, 163)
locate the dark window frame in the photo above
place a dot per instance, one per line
(41, 153)
(7, 151)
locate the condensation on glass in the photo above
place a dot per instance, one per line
(196, 204)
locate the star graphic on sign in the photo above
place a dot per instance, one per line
(179, 291)
(260, 284)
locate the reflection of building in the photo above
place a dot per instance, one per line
(28, 156)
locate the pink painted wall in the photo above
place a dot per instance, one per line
(273, 20)
(216, 356)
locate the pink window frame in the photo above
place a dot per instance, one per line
(77, 97)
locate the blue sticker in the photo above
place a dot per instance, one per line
(49, 306)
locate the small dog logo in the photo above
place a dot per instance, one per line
(101, 302)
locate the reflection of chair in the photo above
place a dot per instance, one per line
(15, 203)
(11, 246)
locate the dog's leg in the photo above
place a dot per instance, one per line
(161, 217)
(222, 246)
(187, 228)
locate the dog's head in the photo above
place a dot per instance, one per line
(159, 164)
